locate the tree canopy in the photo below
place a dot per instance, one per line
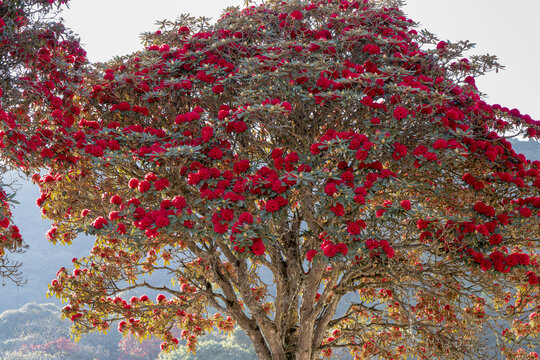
(319, 173)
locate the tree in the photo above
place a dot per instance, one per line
(318, 173)
(33, 44)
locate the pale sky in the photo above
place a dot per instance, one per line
(507, 29)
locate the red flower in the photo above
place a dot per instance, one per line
(150, 177)
(117, 200)
(286, 105)
(227, 214)
(440, 144)
(121, 229)
(217, 89)
(162, 221)
(533, 279)
(123, 106)
(314, 149)
(371, 49)
(311, 254)
(441, 45)
(144, 186)
(323, 82)
(389, 251)
(292, 157)
(220, 228)
(297, 15)
(401, 150)
(206, 133)
(406, 204)
(485, 264)
(239, 126)
(246, 217)
(354, 228)
(482, 229)
(347, 176)
(330, 189)
(525, 212)
(215, 153)
(161, 184)
(50, 233)
(431, 157)
(272, 205)
(47, 153)
(241, 166)
(179, 202)
(257, 248)
(165, 204)
(372, 244)
(329, 249)
(338, 210)
(420, 150)
(360, 199)
(495, 239)
(342, 248)
(400, 112)
(133, 183)
(99, 222)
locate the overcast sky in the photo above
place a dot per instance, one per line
(507, 29)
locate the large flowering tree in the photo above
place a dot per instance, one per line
(318, 173)
(33, 44)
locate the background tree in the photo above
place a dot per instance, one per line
(290, 159)
(33, 44)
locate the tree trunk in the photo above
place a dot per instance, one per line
(271, 347)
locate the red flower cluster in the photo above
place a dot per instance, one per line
(373, 245)
(330, 249)
(499, 261)
(257, 248)
(400, 112)
(274, 205)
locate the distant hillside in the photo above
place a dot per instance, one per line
(531, 149)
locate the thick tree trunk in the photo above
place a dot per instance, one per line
(261, 350)
(270, 347)
(304, 348)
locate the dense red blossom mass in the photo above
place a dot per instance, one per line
(326, 143)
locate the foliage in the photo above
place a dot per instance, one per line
(326, 143)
